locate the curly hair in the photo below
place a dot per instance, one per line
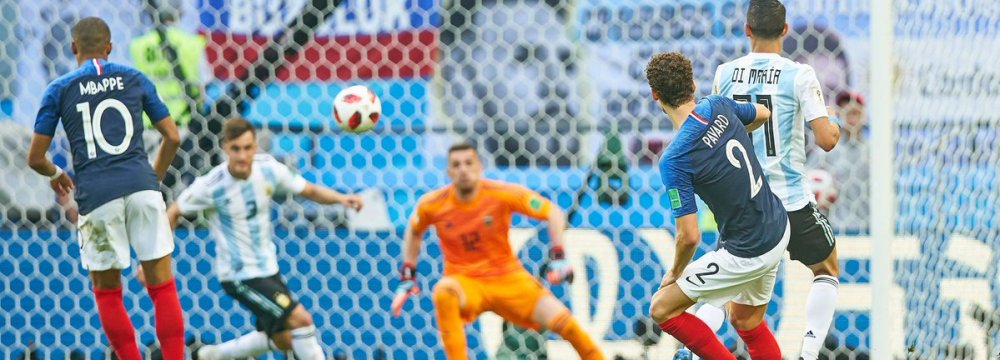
(671, 78)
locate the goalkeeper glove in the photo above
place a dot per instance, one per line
(407, 286)
(557, 269)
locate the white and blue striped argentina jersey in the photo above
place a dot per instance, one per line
(793, 94)
(239, 215)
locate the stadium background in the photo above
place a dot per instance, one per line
(555, 91)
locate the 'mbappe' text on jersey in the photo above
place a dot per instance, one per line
(106, 84)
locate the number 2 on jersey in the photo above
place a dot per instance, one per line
(755, 181)
(769, 125)
(92, 127)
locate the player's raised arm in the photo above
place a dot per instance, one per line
(325, 195)
(826, 130)
(825, 124)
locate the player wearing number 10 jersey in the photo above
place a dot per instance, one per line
(792, 91)
(100, 105)
(711, 157)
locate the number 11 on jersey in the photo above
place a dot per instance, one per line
(769, 125)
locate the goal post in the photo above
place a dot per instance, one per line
(883, 191)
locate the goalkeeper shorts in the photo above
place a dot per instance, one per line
(513, 296)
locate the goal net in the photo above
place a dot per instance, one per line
(553, 94)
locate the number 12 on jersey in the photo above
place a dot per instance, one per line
(769, 125)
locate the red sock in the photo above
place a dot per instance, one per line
(169, 319)
(761, 343)
(116, 323)
(698, 338)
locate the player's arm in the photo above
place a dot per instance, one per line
(412, 237)
(688, 237)
(752, 115)
(525, 201)
(58, 179)
(191, 201)
(763, 115)
(825, 127)
(171, 140)
(557, 269)
(173, 214)
(557, 226)
(679, 182)
(158, 113)
(325, 195)
(45, 127)
(826, 130)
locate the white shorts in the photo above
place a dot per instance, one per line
(138, 219)
(718, 277)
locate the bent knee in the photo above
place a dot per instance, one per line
(744, 324)
(660, 309)
(828, 267)
(447, 290)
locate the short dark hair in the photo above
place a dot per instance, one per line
(766, 18)
(462, 146)
(671, 78)
(236, 127)
(91, 35)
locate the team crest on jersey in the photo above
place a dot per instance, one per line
(282, 300)
(268, 189)
(488, 220)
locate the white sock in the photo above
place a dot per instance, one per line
(305, 345)
(712, 316)
(249, 345)
(820, 305)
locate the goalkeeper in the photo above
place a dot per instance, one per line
(481, 273)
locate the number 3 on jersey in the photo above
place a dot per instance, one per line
(92, 127)
(769, 125)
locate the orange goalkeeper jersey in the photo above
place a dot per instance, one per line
(474, 233)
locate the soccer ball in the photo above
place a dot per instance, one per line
(822, 186)
(356, 109)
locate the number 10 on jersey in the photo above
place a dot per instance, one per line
(92, 127)
(769, 125)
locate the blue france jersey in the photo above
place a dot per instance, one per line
(792, 92)
(101, 105)
(712, 156)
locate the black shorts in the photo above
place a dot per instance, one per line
(267, 298)
(811, 240)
